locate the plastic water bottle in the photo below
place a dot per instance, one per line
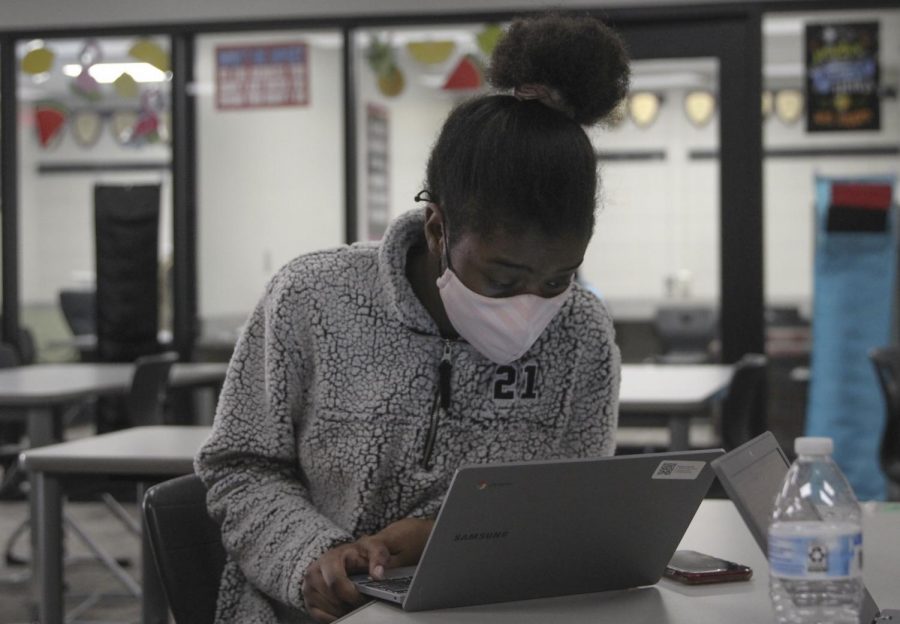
(815, 542)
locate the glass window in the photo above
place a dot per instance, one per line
(656, 245)
(408, 80)
(793, 159)
(92, 111)
(270, 164)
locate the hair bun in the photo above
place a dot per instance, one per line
(579, 57)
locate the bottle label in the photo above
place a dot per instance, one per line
(835, 556)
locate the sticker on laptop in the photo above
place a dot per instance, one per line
(670, 469)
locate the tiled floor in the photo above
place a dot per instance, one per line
(82, 578)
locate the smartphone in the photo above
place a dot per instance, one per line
(694, 568)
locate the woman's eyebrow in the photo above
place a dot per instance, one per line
(524, 267)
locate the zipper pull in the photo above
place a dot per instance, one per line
(445, 368)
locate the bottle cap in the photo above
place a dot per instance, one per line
(813, 446)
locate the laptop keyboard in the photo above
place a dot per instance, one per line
(397, 585)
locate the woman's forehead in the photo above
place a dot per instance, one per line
(527, 249)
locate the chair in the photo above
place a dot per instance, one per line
(887, 366)
(144, 405)
(743, 410)
(187, 548)
(10, 434)
(79, 308)
(686, 333)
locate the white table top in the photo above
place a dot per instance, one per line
(671, 388)
(718, 530)
(162, 450)
(51, 384)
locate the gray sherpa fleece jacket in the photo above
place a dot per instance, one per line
(330, 424)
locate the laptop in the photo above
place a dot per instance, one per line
(752, 475)
(549, 528)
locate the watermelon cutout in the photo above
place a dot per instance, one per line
(50, 120)
(467, 75)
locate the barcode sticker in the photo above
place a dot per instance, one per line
(670, 469)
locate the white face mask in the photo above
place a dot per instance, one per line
(502, 329)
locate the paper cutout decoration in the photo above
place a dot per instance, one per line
(50, 119)
(126, 86)
(84, 84)
(151, 52)
(430, 52)
(789, 105)
(643, 108)
(392, 83)
(489, 38)
(699, 106)
(389, 77)
(122, 126)
(467, 75)
(86, 126)
(37, 61)
(767, 104)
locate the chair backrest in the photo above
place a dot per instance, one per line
(79, 308)
(149, 386)
(9, 356)
(887, 365)
(682, 328)
(743, 410)
(187, 548)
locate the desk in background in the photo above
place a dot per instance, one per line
(676, 392)
(717, 529)
(145, 455)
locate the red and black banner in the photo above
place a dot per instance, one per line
(859, 207)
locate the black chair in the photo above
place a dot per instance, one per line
(686, 333)
(187, 548)
(743, 410)
(79, 308)
(887, 366)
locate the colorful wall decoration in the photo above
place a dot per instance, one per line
(262, 76)
(842, 77)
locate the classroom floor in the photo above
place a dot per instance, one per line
(83, 578)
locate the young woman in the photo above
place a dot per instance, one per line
(367, 374)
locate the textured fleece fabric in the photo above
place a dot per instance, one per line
(322, 426)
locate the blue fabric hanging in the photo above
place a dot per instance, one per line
(855, 280)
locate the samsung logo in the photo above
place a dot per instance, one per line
(487, 535)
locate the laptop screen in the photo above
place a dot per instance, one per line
(757, 485)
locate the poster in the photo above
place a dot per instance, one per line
(262, 76)
(842, 77)
(377, 172)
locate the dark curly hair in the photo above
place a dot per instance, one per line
(502, 162)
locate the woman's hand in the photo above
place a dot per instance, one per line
(398, 544)
(327, 589)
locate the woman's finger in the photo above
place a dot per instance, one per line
(338, 585)
(377, 554)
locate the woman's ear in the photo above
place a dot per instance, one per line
(434, 229)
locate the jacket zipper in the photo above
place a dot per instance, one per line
(441, 403)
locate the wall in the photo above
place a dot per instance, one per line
(270, 181)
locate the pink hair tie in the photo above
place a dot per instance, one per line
(546, 95)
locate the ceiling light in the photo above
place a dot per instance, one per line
(106, 73)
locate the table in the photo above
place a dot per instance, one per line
(46, 388)
(674, 391)
(145, 455)
(717, 529)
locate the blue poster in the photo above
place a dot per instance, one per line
(855, 282)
